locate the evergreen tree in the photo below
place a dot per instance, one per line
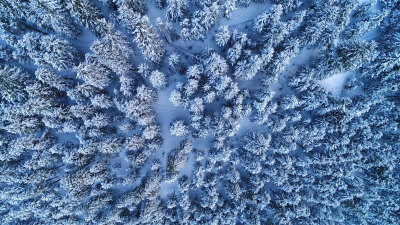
(53, 79)
(114, 51)
(88, 14)
(179, 128)
(94, 73)
(47, 50)
(12, 83)
(177, 159)
(176, 9)
(52, 15)
(145, 35)
(158, 79)
(222, 36)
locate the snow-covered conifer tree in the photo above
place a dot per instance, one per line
(88, 14)
(158, 79)
(47, 50)
(177, 159)
(114, 51)
(222, 36)
(145, 35)
(176, 9)
(94, 73)
(179, 128)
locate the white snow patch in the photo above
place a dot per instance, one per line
(335, 83)
(154, 12)
(301, 59)
(247, 126)
(84, 41)
(166, 113)
(168, 188)
(371, 34)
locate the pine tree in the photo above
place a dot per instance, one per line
(176, 9)
(347, 56)
(47, 50)
(177, 159)
(88, 14)
(145, 35)
(174, 61)
(124, 6)
(230, 7)
(12, 83)
(179, 128)
(53, 79)
(51, 15)
(151, 131)
(102, 101)
(247, 68)
(263, 21)
(158, 79)
(114, 51)
(94, 73)
(5, 53)
(222, 36)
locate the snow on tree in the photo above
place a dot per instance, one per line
(52, 15)
(179, 128)
(230, 7)
(128, 85)
(5, 53)
(53, 79)
(151, 131)
(114, 51)
(164, 30)
(146, 94)
(247, 68)
(102, 101)
(234, 53)
(177, 159)
(143, 69)
(209, 15)
(158, 79)
(47, 50)
(135, 5)
(186, 30)
(288, 5)
(174, 61)
(88, 14)
(111, 145)
(347, 56)
(94, 73)
(361, 27)
(176, 9)
(176, 98)
(78, 146)
(83, 92)
(222, 36)
(215, 66)
(271, 17)
(12, 83)
(201, 21)
(144, 34)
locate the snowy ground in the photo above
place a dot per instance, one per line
(334, 84)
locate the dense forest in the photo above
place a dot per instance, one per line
(199, 112)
